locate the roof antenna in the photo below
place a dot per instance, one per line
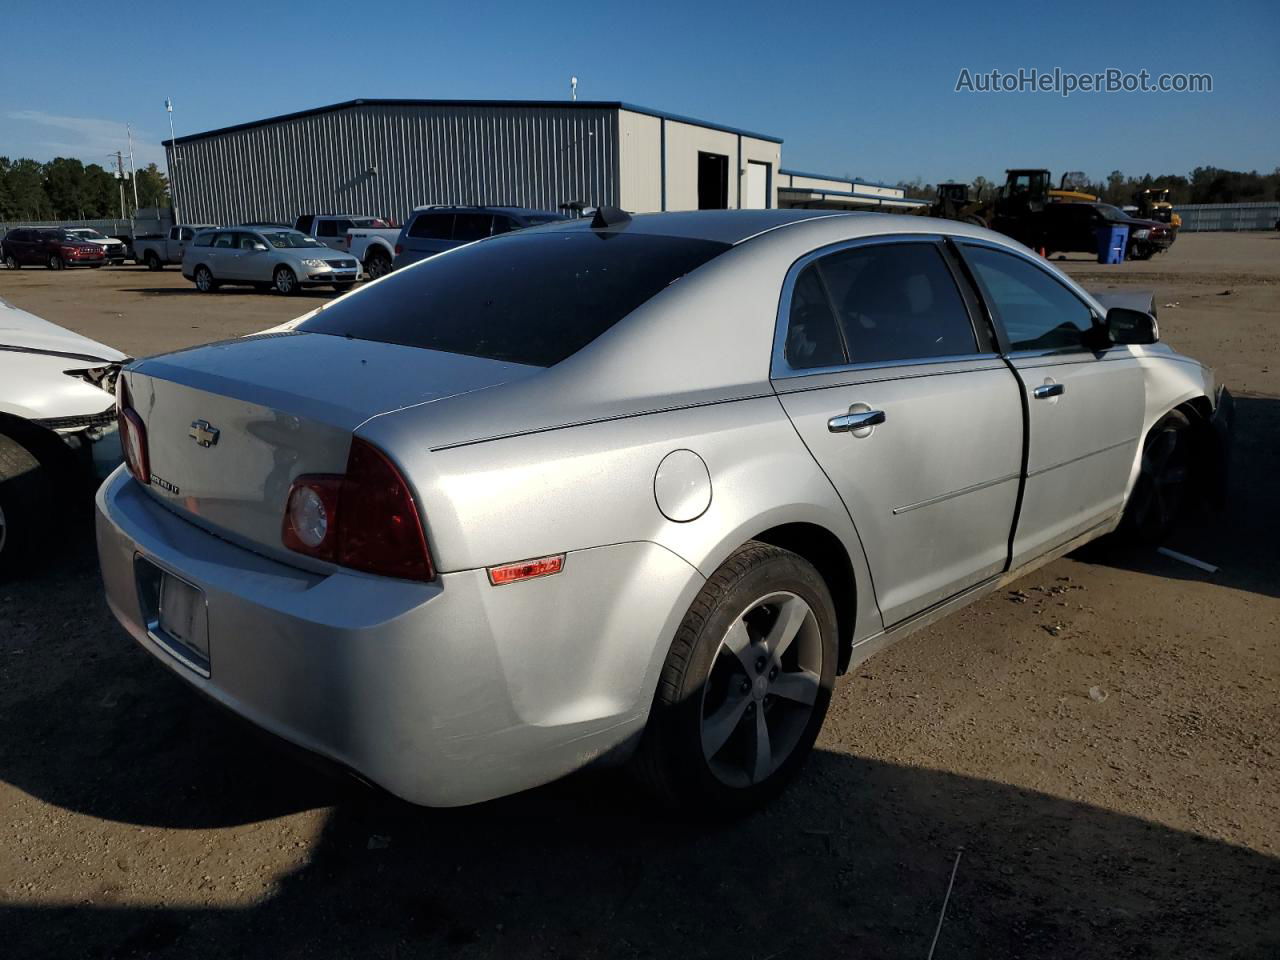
(573, 88)
(609, 216)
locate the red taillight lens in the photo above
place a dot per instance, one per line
(365, 519)
(133, 435)
(399, 249)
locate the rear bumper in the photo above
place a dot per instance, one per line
(445, 693)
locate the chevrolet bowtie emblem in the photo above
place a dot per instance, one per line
(203, 433)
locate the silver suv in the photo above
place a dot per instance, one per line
(280, 258)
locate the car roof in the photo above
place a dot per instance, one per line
(730, 226)
(486, 208)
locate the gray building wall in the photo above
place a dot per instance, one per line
(385, 159)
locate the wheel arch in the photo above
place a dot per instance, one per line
(822, 548)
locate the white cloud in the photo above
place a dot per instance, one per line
(89, 138)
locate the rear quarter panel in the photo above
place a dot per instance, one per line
(591, 485)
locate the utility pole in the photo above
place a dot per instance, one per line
(133, 171)
(172, 160)
(120, 178)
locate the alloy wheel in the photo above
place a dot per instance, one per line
(761, 689)
(204, 280)
(285, 280)
(1162, 481)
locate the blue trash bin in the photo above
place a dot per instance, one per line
(1112, 242)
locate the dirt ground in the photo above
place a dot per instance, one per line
(136, 821)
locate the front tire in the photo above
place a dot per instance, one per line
(285, 281)
(745, 686)
(205, 282)
(1160, 493)
(25, 507)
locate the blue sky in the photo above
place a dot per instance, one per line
(862, 89)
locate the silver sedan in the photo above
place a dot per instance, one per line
(629, 491)
(268, 258)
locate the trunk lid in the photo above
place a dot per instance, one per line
(231, 425)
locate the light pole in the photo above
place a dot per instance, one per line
(172, 160)
(133, 171)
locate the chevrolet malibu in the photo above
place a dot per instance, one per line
(629, 490)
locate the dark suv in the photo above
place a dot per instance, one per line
(49, 247)
(432, 230)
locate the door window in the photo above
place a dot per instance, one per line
(224, 241)
(1037, 312)
(327, 228)
(471, 226)
(894, 301)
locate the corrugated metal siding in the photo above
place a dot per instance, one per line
(519, 156)
(1228, 216)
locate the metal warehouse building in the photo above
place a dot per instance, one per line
(385, 157)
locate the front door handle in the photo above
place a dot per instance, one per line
(849, 422)
(1049, 390)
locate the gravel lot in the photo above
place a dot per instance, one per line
(136, 821)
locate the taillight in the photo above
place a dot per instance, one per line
(133, 435)
(365, 519)
(399, 249)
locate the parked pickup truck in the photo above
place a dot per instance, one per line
(155, 252)
(371, 240)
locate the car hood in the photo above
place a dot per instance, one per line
(27, 333)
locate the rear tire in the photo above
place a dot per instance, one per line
(11, 262)
(25, 507)
(152, 261)
(1160, 493)
(377, 265)
(54, 262)
(205, 282)
(745, 686)
(285, 281)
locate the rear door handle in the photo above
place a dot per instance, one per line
(848, 422)
(1049, 390)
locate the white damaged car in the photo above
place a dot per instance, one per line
(58, 431)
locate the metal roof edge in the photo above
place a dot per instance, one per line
(515, 104)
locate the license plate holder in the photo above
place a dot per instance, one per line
(177, 615)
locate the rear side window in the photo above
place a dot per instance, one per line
(1036, 311)
(225, 240)
(204, 240)
(812, 338)
(895, 301)
(524, 298)
(432, 226)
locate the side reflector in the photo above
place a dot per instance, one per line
(526, 570)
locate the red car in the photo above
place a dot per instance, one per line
(49, 247)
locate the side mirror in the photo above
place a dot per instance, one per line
(259, 248)
(1131, 326)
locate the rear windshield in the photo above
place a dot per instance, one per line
(533, 298)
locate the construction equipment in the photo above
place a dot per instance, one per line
(1153, 204)
(953, 202)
